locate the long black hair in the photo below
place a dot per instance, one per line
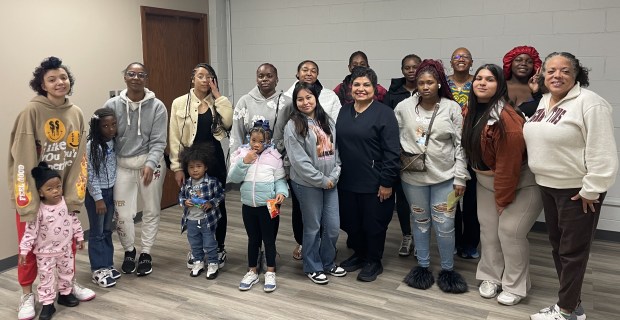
(98, 145)
(300, 119)
(472, 131)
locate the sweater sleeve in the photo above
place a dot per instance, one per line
(300, 161)
(390, 147)
(30, 236)
(224, 108)
(278, 130)
(175, 134)
(601, 158)
(77, 178)
(237, 131)
(93, 179)
(460, 168)
(78, 232)
(157, 140)
(23, 157)
(508, 159)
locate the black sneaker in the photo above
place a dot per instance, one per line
(129, 263)
(145, 265)
(352, 263)
(47, 312)
(68, 300)
(221, 257)
(370, 271)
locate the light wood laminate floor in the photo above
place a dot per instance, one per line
(170, 293)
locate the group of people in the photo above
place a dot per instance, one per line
(472, 157)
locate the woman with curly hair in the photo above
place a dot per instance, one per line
(432, 114)
(50, 128)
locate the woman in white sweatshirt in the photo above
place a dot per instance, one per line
(572, 152)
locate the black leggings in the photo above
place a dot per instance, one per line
(260, 227)
(296, 219)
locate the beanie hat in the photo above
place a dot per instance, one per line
(42, 173)
(512, 54)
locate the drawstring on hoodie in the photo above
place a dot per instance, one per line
(139, 114)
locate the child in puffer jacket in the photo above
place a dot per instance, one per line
(258, 167)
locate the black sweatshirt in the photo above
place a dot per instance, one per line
(369, 148)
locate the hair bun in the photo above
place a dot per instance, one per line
(51, 63)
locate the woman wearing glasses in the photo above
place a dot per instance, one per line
(140, 171)
(466, 219)
(203, 115)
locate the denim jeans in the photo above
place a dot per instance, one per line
(428, 208)
(100, 247)
(201, 239)
(321, 221)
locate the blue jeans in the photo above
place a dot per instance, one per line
(321, 220)
(428, 208)
(100, 247)
(202, 239)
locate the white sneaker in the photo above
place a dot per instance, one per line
(221, 257)
(488, 289)
(249, 279)
(82, 293)
(25, 311)
(212, 270)
(508, 299)
(103, 278)
(197, 268)
(552, 313)
(270, 281)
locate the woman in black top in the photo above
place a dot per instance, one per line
(368, 143)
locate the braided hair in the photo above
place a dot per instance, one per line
(98, 144)
(435, 68)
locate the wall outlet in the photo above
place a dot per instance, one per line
(112, 93)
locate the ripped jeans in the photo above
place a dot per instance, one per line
(421, 200)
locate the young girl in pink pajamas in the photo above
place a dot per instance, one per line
(50, 237)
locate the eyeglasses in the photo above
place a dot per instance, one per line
(133, 74)
(461, 56)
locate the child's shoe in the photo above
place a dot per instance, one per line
(221, 257)
(197, 268)
(47, 312)
(248, 281)
(145, 265)
(129, 262)
(212, 270)
(270, 281)
(82, 293)
(114, 273)
(103, 278)
(68, 300)
(26, 307)
(190, 260)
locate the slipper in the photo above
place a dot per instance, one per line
(297, 253)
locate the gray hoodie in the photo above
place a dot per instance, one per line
(313, 163)
(142, 127)
(253, 107)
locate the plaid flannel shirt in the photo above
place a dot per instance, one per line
(209, 189)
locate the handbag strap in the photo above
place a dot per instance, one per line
(430, 125)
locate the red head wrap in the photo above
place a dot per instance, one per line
(512, 54)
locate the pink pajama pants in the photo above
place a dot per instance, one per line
(64, 263)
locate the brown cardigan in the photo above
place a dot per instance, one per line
(504, 156)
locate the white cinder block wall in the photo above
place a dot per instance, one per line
(285, 32)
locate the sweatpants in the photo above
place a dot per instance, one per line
(365, 220)
(505, 257)
(128, 187)
(27, 273)
(48, 265)
(260, 228)
(571, 232)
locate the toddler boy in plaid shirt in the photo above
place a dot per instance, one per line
(200, 196)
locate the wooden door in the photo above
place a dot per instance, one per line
(173, 42)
